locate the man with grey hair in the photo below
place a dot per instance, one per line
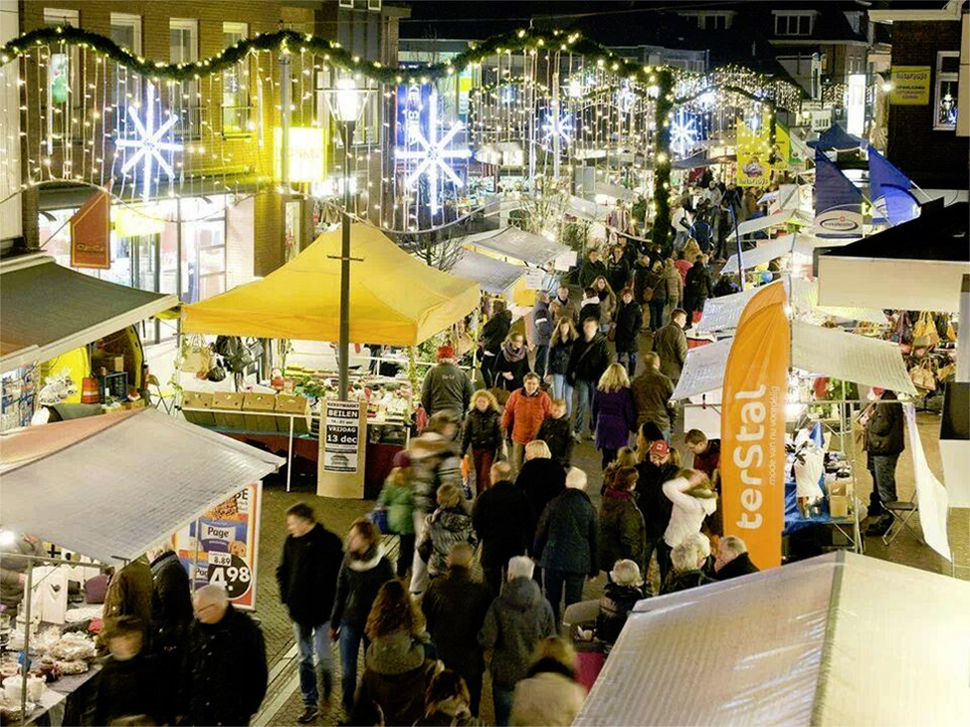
(516, 621)
(688, 559)
(225, 677)
(732, 559)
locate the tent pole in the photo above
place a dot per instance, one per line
(289, 456)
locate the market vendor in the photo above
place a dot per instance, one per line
(446, 387)
(13, 567)
(130, 593)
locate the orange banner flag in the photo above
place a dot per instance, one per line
(91, 233)
(753, 427)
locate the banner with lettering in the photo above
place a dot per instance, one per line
(221, 546)
(91, 233)
(753, 427)
(754, 152)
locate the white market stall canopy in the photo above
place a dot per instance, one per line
(781, 217)
(615, 191)
(109, 486)
(47, 309)
(816, 350)
(584, 208)
(841, 639)
(765, 251)
(917, 265)
(493, 275)
(511, 242)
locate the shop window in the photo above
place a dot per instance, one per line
(794, 23)
(236, 110)
(184, 48)
(946, 90)
(126, 32)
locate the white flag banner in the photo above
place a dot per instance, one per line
(930, 493)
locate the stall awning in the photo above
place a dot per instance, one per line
(765, 251)
(917, 265)
(109, 486)
(776, 219)
(815, 350)
(395, 299)
(838, 139)
(47, 309)
(493, 275)
(615, 191)
(841, 639)
(511, 242)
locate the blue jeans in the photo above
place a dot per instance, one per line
(584, 404)
(561, 389)
(884, 474)
(542, 353)
(557, 581)
(630, 357)
(502, 702)
(351, 638)
(312, 640)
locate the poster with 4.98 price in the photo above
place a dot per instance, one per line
(221, 546)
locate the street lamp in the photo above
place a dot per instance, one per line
(346, 102)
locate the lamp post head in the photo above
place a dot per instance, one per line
(349, 100)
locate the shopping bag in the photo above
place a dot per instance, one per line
(198, 357)
(925, 334)
(923, 377)
(378, 516)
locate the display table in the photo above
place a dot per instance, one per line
(66, 701)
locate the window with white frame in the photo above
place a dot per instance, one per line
(63, 80)
(946, 94)
(126, 31)
(794, 23)
(183, 46)
(235, 84)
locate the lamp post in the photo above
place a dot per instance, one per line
(346, 102)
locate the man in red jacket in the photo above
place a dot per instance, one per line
(524, 413)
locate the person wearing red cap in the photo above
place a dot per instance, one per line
(661, 464)
(446, 387)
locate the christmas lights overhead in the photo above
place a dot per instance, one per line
(150, 143)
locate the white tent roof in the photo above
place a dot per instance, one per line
(110, 486)
(842, 639)
(584, 208)
(804, 296)
(614, 190)
(815, 349)
(765, 251)
(749, 227)
(512, 242)
(495, 276)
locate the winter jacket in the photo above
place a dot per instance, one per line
(884, 436)
(655, 282)
(482, 430)
(590, 271)
(607, 306)
(495, 331)
(559, 357)
(559, 308)
(399, 501)
(697, 287)
(623, 533)
(358, 582)
(615, 606)
(591, 308)
(454, 608)
(171, 601)
(683, 267)
(396, 677)
(684, 581)
(445, 528)
(651, 398)
(588, 360)
(617, 273)
(670, 343)
(541, 480)
(654, 505)
(566, 536)
(550, 695)
(709, 460)
(558, 436)
(130, 593)
(438, 464)
(307, 575)
(524, 414)
(542, 324)
(224, 674)
(446, 387)
(673, 286)
(629, 321)
(513, 362)
(516, 621)
(614, 417)
(688, 512)
(504, 521)
(741, 565)
(135, 686)
(12, 567)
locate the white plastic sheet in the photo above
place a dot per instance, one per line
(804, 297)
(749, 227)
(930, 493)
(704, 369)
(517, 244)
(766, 251)
(495, 276)
(722, 313)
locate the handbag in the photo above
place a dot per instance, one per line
(198, 358)
(951, 334)
(378, 516)
(923, 377)
(611, 334)
(925, 334)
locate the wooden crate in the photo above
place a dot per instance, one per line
(229, 400)
(259, 402)
(195, 406)
(292, 404)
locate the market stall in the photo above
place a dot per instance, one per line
(138, 477)
(776, 219)
(301, 302)
(494, 276)
(835, 640)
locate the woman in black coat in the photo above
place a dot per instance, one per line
(512, 364)
(628, 322)
(494, 333)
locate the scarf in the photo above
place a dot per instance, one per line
(552, 666)
(512, 355)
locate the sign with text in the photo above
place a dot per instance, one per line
(340, 469)
(91, 233)
(910, 85)
(221, 546)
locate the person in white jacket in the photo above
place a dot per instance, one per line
(693, 498)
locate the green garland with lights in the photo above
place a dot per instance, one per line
(661, 170)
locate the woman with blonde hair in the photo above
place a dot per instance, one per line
(693, 498)
(607, 298)
(550, 693)
(560, 348)
(613, 412)
(482, 432)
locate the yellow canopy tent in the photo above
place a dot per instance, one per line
(395, 299)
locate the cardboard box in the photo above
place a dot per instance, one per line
(195, 406)
(292, 404)
(229, 400)
(839, 506)
(260, 403)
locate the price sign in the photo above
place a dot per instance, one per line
(231, 572)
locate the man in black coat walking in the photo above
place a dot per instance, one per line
(697, 288)
(629, 321)
(884, 444)
(493, 335)
(307, 577)
(504, 522)
(587, 361)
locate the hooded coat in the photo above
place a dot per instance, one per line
(396, 677)
(524, 414)
(445, 528)
(307, 575)
(623, 533)
(171, 601)
(566, 538)
(446, 388)
(688, 512)
(505, 523)
(516, 621)
(549, 695)
(454, 608)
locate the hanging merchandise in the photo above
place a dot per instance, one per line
(925, 334)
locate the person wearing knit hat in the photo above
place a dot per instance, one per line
(446, 386)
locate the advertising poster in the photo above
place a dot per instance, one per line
(754, 156)
(221, 546)
(910, 85)
(342, 431)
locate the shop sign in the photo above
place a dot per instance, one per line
(307, 153)
(910, 85)
(91, 233)
(221, 546)
(342, 436)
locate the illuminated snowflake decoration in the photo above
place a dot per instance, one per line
(433, 156)
(557, 125)
(684, 133)
(150, 143)
(625, 98)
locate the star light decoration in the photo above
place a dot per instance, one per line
(625, 98)
(557, 125)
(150, 143)
(433, 155)
(684, 133)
